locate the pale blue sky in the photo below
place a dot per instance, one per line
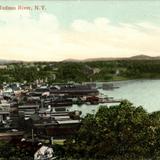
(82, 29)
(127, 11)
(116, 11)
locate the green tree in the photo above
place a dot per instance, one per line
(123, 131)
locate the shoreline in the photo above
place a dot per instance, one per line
(121, 80)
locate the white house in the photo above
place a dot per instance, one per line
(44, 153)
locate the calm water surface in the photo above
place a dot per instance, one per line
(140, 92)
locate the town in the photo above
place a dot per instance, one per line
(41, 112)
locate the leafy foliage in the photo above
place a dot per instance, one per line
(117, 132)
(81, 71)
(9, 151)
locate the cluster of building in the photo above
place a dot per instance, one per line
(43, 112)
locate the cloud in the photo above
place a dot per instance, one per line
(26, 37)
(118, 40)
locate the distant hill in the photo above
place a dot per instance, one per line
(71, 60)
(141, 57)
(3, 61)
(105, 59)
(137, 57)
(93, 59)
(158, 57)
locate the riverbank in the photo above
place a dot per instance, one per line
(123, 79)
(64, 72)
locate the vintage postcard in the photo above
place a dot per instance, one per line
(79, 80)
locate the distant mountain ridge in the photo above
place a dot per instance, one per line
(137, 57)
(4, 61)
(145, 57)
(141, 56)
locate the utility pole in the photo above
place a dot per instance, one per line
(32, 135)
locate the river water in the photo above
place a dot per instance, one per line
(140, 92)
